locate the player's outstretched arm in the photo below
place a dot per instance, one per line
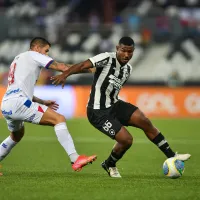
(63, 67)
(50, 103)
(90, 70)
(59, 66)
(75, 69)
(38, 100)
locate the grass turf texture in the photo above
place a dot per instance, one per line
(38, 167)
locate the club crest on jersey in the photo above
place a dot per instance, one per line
(117, 84)
(102, 63)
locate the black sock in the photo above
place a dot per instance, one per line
(113, 158)
(162, 144)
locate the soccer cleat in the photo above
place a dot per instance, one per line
(82, 161)
(112, 171)
(182, 157)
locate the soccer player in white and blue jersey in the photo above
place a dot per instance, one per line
(19, 105)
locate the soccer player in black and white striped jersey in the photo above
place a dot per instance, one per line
(107, 112)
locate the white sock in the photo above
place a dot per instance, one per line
(6, 146)
(66, 140)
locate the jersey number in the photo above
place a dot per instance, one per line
(11, 74)
(107, 125)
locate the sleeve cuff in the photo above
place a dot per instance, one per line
(92, 61)
(48, 64)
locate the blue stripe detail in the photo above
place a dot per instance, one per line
(12, 91)
(28, 103)
(48, 64)
(4, 145)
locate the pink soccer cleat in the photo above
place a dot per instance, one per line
(82, 161)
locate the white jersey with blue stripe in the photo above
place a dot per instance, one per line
(24, 72)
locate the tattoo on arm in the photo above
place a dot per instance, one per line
(58, 66)
(53, 65)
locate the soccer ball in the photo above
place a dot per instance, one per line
(173, 168)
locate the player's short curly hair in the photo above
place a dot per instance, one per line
(39, 40)
(127, 41)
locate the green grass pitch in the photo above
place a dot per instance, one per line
(38, 167)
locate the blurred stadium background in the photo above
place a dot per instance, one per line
(165, 83)
(166, 33)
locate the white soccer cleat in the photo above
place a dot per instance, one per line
(182, 157)
(114, 173)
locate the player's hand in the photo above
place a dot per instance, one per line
(59, 79)
(51, 104)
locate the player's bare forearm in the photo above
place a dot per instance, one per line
(84, 71)
(38, 100)
(83, 67)
(59, 66)
(75, 69)
(90, 70)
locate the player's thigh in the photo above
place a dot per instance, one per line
(41, 114)
(32, 112)
(104, 122)
(139, 120)
(51, 118)
(124, 111)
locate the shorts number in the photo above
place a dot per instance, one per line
(11, 74)
(107, 125)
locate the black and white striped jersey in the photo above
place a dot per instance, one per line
(109, 78)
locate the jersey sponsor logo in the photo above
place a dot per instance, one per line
(117, 84)
(102, 63)
(6, 112)
(12, 92)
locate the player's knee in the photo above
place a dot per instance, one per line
(127, 142)
(60, 119)
(17, 135)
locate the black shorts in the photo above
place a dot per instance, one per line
(110, 120)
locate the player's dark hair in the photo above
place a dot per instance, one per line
(39, 40)
(127, 41)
